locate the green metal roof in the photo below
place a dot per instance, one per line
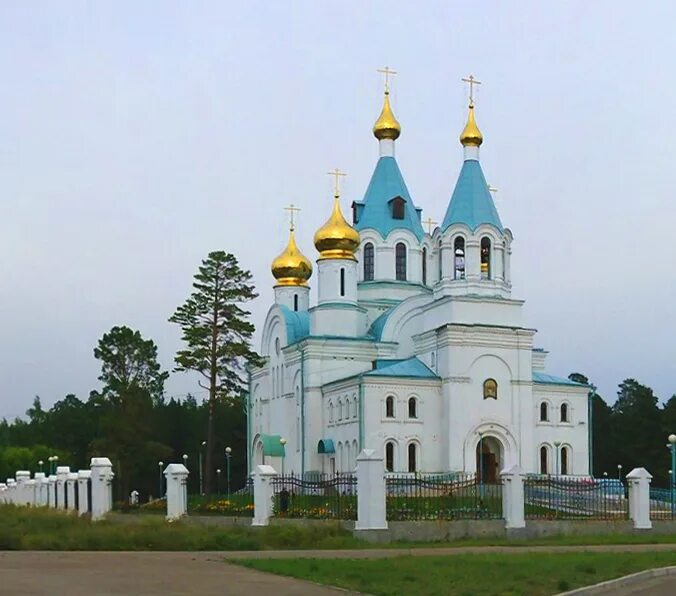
(545, 379)
(411, 367)
(272, 445)
(326, 446)
(471, 203)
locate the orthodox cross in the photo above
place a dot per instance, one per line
(387, 72)
(429, 223)
(471, 81)
(292, 209)
(337, 174)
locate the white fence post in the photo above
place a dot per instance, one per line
(513, 497)
(21, 492)
(263, 495)
(102, 487)
(639, 498)
(51, 491)
(3, 493)
(83, 482)
(371, 488)
(177, 490)
(40, 489)
(71, 482)
(61, 477)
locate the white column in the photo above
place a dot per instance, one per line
(83, 480)
(41, 484)
(177, 490)
(472, 259)
(3, 493)
(513, 501)
(22, 477)
(371, 507)
(263, 495)
(71, 482)
(639, 498)
(102, 487)
(61, 477)
(51, 493)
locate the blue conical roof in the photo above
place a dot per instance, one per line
(375, 210)
(471, 203)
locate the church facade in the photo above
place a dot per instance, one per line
(415, 347)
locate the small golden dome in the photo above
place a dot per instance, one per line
(337, 239)
(471, 136)
(387, 127)
(292, 267)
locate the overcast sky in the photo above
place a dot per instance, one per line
(135, 137)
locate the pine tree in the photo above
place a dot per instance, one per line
(217, 334)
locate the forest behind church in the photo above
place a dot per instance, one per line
(632, 432)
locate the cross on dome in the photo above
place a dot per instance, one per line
(292, 209)
(387, 72)
(429, 223)
(471, 81)
(337, 174)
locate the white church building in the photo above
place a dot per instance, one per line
(415, 347)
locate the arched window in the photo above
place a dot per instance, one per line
(433, 360)
(330, 411)
(400, 261)
(389, 407)
(295, 302)
(544, 464)
(412, 407)
(355, 453)
(347, 409)
(490, 389)
(441, 264)
(342, 281)
(354, 407)
(485, 258)
(339, 453)
(564, 460)
(389, 456)
(564, 412)
(459, 258)
(412, 457)
(424, 265)
(340, 410)
(544, 412)
(369, 262)
(348, 459)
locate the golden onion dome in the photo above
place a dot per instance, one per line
(336, 239)
(387, 126)
(471, 136)
(292, 267)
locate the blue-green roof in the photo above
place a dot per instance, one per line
(471, 203)
(545, 379)
(375, 211)
(411, 367)
(272, 445)
(297, 324)
(326, 446)
(376, 329)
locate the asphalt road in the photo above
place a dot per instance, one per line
(140, 574)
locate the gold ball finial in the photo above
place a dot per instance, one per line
(336, 239)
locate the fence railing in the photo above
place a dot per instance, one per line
(321, 496)
(239, 503)
(663, 503)
(571, 497)
(441, 496)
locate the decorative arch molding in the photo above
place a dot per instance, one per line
(502, 361)
(404, 313)
(275, 324)
(497, 431)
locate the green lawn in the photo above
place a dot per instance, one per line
(532, 574)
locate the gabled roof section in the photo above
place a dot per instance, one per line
(471, 203)
(545, 379)
(375, 211)
(411, 368)
(297, 324)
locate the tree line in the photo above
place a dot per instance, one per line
(129, 420)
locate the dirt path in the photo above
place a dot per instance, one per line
(140, 574)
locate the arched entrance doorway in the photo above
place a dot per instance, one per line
(489, 455)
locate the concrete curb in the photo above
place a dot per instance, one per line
(611, 585)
